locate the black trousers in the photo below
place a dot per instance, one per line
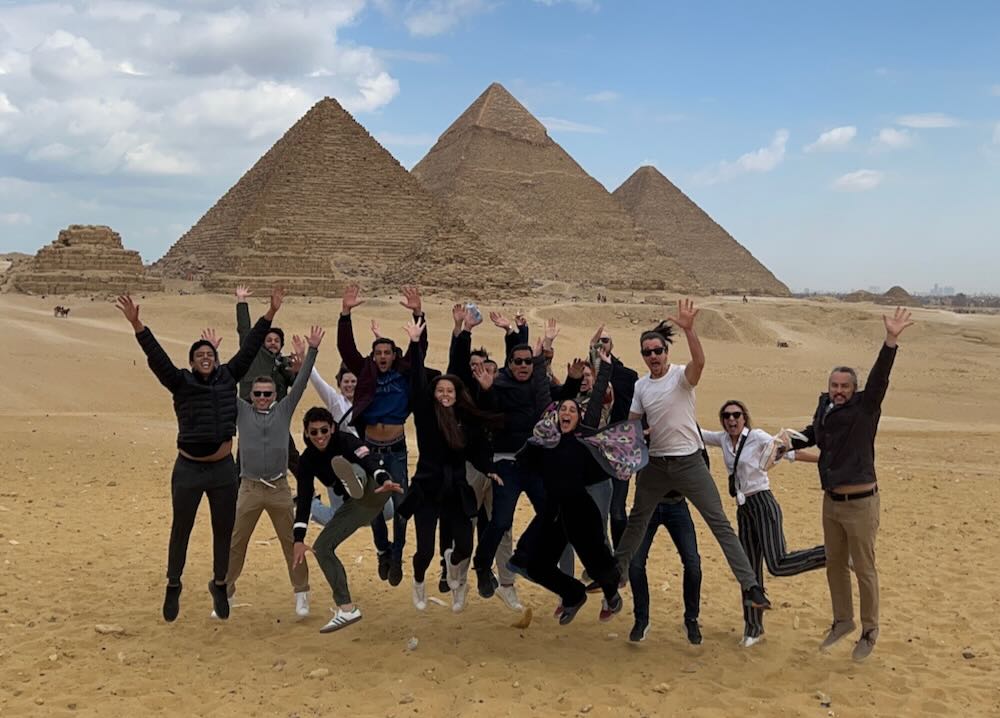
(571, 518)
(455, 525)
(219, 480)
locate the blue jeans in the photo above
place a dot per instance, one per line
(516, 480)
(395, 463)
(677, 519)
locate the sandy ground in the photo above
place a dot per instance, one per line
(87, 438)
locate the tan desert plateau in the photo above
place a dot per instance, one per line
(87, 439)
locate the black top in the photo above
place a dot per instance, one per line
(205, 406)
(845, 434)
(623, 382)
(315, 464)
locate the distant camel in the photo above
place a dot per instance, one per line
(60, 311)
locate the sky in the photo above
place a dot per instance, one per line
(847, 146)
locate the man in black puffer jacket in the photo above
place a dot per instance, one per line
(205, 404)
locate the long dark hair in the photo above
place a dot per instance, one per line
(449, 419)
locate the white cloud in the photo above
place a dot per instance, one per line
(13, 218)
(64, 58)
(602, 96)
(889, 138)
(266, 108)
(928, 120)
(435, 17)
(836, 139)
(859, 181)
(6, 106)
(556, 124)
(764, 159)
(126, 68)
(147, 159)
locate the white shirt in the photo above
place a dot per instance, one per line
(336, 402)
(749, 477)
(668, 403)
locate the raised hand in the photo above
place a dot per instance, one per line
(483, 377)
(471, 321)
(551, 330)
(295, 360)
(415, 328)
(389, 487)
(277, 297)
(458, 314)
(212, 338)
(299, 345)
(596, 339)
(411, 300)
(242, 292)
(316, 335)
(500, 321)
(895, 324)
(686, 313)
(376, 329)
(575, 370)
(520, 319)
(351, 299)
(131, 311)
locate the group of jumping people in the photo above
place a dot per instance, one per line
(488, 432)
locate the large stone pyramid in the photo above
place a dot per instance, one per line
(85, 259)
(683, 230)
(498, 169)
(325, 205)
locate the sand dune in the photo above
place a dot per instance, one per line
(87, 436)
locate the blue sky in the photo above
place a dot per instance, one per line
(846, 146)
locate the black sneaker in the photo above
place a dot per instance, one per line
(395, 573)
(384, 559)
(443, 586)
(487, 582)
(593, 587)
(756, 598)
(172, 602)
(640, 629)
(569, 612)
(220, 599)
(694, 632)
(610, 607)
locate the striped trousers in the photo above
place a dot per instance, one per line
(762, 535)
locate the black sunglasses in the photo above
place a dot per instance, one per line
(520, 362)
(650, 352)
(261, 394)
(605, 340)
(323, 430)
(731, 415)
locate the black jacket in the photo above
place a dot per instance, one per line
(205, 407)
(845, 434)
(623, 382)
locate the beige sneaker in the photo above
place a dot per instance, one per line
(865, 645)
(838, 630)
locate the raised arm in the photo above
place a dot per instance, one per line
(684, 320)
(295, 393)
(159, 362)
(334, 400)
(592, 418)
(242, 313)
(240, 363)
(412, 301)
(878, 379)
(459, 354)
(418, 376)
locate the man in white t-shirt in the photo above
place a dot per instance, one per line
(666, 397)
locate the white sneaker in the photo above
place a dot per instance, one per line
(420, 595)
(459, 594)
(456, 574)
(302, 604)
(508, 594)
(748, 641)
(342, 619)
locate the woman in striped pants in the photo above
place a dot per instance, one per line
(758, 515)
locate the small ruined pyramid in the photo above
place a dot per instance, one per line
(497, 168)
(85, 259)
(324, 206)
(684, 231)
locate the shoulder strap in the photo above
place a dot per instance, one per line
(736, 461)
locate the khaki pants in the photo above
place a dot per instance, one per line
(254, 498)
(482, 485)
(849, 530)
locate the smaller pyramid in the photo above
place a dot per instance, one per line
(85, 259)
(682, 229)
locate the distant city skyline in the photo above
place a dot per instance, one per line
(844, 149)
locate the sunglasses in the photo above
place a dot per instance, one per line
(731, 415)
(321, 431)
(262, 394)
(605, 340)
(520, 362)
(650, 352)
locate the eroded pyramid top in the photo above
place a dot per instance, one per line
(499, 111)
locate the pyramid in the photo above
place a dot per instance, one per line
(683, 230)
(85, 259)
(497, 168)
(324, 206)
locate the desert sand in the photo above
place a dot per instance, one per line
(87, 436)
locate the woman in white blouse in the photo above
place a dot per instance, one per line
(758, 514)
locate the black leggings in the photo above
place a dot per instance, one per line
(575, 519)
(619, 516)
(220, 482)
(454, 524)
